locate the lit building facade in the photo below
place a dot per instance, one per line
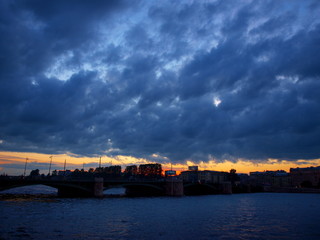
(204, 176)
(306, 177)
(278, 178)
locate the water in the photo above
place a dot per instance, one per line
(238, 216)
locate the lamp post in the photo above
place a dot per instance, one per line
(65, 163)
(25, 168)
(64, 168)
(171, 182)
(50, 165)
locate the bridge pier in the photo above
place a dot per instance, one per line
(91, 189)
(174, 187)
(98, 187)
(227, 188)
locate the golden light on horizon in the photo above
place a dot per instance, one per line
(8, 159)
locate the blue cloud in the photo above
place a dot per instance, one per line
(138, 78)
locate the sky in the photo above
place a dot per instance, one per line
(214, 83)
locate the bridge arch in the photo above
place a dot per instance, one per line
(143, 189)
(65, 189)
(115, 190)
(200, 189)
(30, 189)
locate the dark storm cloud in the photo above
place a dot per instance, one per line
(178, 80)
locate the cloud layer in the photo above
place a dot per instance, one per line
(189, 80)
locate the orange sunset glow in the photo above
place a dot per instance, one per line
(73, 162)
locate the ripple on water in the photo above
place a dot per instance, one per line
(243, 216)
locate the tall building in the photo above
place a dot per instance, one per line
(131, 170)
(279, 178)
(150, 170)
(205, 176)
(306, 177)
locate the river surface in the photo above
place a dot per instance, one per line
(237, 216)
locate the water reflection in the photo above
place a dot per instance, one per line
(243, 216)
(118, 191)
(34, 189)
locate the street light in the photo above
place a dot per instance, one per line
(25, 167)
(50, 165)
(64, 167)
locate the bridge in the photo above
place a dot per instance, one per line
(94, 187)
